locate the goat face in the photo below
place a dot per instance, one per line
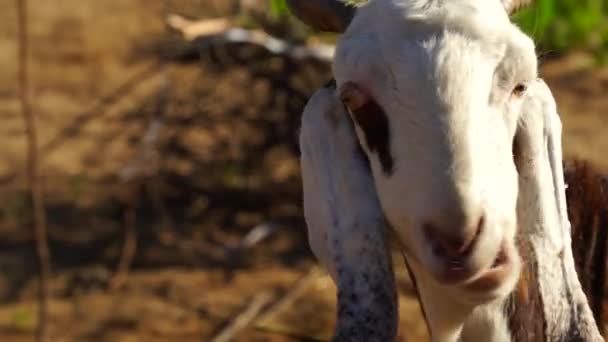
(435, 90)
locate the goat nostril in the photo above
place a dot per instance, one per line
(456, 246)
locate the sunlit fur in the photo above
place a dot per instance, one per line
(443, 72)
(447, 80)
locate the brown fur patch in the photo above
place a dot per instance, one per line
(587, 196)
(524, 307)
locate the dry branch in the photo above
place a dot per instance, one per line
(37, 199)
(141, 173)
(286, 301)
(202, 33)
(191, 30)
(244, 319)
(296, 291)
(128, 250)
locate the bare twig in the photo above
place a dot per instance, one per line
(37, 199)
(267, 320)
(128, 250)
(202, 33)
(244, 318)
(139, 173)
(190, 30)
(258, 234)
(142, 173)
(101, 106)
(301, 286)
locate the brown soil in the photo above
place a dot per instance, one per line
(225, 161)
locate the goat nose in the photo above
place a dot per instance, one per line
(454, 243)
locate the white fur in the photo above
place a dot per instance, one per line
(543, 217)
(486, 323)
(345, 222)
(443, 72)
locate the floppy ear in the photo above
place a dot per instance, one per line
(346, 227)
(544, 228)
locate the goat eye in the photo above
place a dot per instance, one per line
(353, 97)
(519, 90)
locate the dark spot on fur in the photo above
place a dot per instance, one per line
(574, 334)
(372, 119)
(524, 306)
(517, 150)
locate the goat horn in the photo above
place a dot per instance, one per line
(324, 15)
(512, 6)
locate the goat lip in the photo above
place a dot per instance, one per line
(455, 276)
(495, 276)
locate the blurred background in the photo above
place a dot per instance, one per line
(169, 158)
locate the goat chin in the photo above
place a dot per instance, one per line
(587, 195)
(488, 285)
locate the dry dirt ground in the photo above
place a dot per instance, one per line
(223, 160)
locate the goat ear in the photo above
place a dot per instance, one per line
(324, 15)
(539, 162)
(544, 228)
(512, 6)
(346, 228)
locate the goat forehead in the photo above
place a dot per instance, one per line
(424, 54)
(443, 61)
(474, 18)
(441, 34)
(446, 73)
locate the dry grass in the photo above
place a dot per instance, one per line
(580, 89)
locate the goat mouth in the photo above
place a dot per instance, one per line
(501, 258)
(496, 275)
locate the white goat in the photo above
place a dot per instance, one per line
(439, 132)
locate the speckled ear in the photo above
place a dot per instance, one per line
(544, 227)
(346, 227)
